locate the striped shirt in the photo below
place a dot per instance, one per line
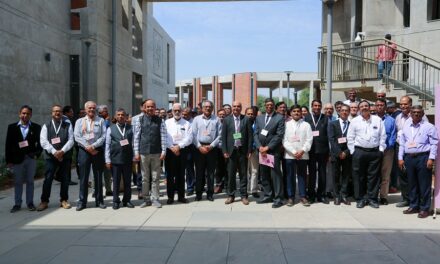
(137, 136)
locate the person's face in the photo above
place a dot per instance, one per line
(316, 108)
(128, 120)
(338, 108)
(343, 113)
(228, 110)
(304, 111)
(91, 110)
(207, 109)
(250, 114)
(269, 107)
(162, 114)
(236, 109)
(354, 110)
(25, 115)
(364, 108)
(70, 114)
(391, 110)
(186, 115)
(282, 109)
(156, 112)
(380, 108)
(57, 113)
(416, 115)
(296, 114)
(328, 110)
(177, 112)
(104, 113)
(405, 106)
(150, 108)
(221, 115)
(373, 109)
(380, 95)
(352, 95)
(121, 117)
(170, 114)
(82, 113)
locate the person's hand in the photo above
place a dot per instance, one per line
(249, 155)
(401, 163)
(108, 166)
(226, 155)
(299, 154)
(342, 155)
(162, 156)
(429, 164)
(202, 149)
(208, 149)
(137, 158)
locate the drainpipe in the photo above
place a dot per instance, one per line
(113, 97)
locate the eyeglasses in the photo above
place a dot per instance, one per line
(177, 111)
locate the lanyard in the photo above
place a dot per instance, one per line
(346, 126)
(206, 122)
(121, 131)
(412, 132)
(298, 124)
(268, 118)
(316, 123)
(55, 128)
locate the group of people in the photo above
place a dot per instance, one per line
(324, 155)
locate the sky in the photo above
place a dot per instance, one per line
(220, 38)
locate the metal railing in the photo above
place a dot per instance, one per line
(357, 61)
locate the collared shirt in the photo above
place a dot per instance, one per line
(206, 130)
(401, 119)
(341, 123)
(46, 145)
(387, 52)
(24, 129)
(135, 122)
(391, 131)
(298, 136)
(179, 132)
(137, 135)
(90, 132)
(348, 101)
(418, 138)
(366, 133)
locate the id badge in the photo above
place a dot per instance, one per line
(264, 132)
(177, 137)
(295, 138)
(237, 136)
(315, 133)
(342, 140)
(91, 136)
(124, 142)
(205, 133)
(23, 144)
(412, 145)
(56, 140)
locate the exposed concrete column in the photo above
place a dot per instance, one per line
(280, 91)
(353, 20)
(311, 93)
(180, 94)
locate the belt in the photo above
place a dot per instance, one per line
(417, 154)
(367, 149)
(204, 144)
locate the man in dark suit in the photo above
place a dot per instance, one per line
(268, 136)
(340, 155)
(22, 148)
(236, 148)
(318, 153)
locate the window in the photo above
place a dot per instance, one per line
(74, 81)
(75, 21)
(125, 14)
(433, 9)
(406, 13)
(74, 4)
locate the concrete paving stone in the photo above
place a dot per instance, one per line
(231, 219)
(142, 255)
(12, 239)
(126, 218)
(207, 247)
(326, 257)
(84, 254)
(169, 217)
(254, 248)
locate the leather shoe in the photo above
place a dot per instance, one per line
(323, 200)
(198, 198)
(345, 201)
(277, 205)
(423, 214)
(183, 200)
(80, 207)
(245, 201)
(337, 201)
(265, 200)
(229, 200)
(65, 204)
(101, 205)
(42, 206)
(383, 201)
(31, 207)
(189, 193)
(373, 204)
(411, 211)
(255, 195)
(115, 206)
(210, 198)
(140, 197)
(402, 204)
(170, 201)
(304, 202)
(290, 202)
(128, 205)
(15, 209)
(361, 204)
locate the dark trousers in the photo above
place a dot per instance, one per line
(296, 169)
(366, 174)
(341, 174)
(272, 180)
(138, 176)
(419, 179)
(237, 161)
(317, 163)
(221, 174)
(124, 171)
(205, 168)
(61, 168)
(175, 171)
(284, 173)
(393, 176)
(85, 160)
(189, 168)
(402, 176)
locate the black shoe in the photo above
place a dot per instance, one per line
(277, 205)
(311, 200)
(108, 193)
(101, 205)
(128, 205)
(15, 209)
(373, 204)
(31, 207)
(404, 203)
(80, 207)
(337, 201)
(210, 198)
(73, 183)
(383, 201)
(198, 198)
(323, 200)
(255, 195)
(361, 204)
(170, 201)
(345, 201)
(264, 200)
(189, 193)
(183, 200)
(115, 206)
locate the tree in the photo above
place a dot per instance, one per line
(304, 96)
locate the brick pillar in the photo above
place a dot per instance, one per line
(242, 89)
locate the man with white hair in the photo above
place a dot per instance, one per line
(103, 113)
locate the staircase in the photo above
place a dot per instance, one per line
(355, 66)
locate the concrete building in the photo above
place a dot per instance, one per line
(244, 87)
(68, 52)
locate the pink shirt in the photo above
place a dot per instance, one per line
(387, 52)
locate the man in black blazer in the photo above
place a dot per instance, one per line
(318, 153)
(340, 155)
(268, 136)
(22, 148)
(236, 147)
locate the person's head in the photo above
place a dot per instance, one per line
(352, 95)
(177, 111)
(295, 112)
(170, 114)
(121, 116)
(141, 107)
(388, 37)
(328, 109)
(391, 107)
(68, 111)
(25, 114)
(103, 111)
(163, 113)
(338, 105)
(405, 104)
(417, 113)
(269, 104)
(281, 108)
(90, 108)
(227, 108)
(207, 108)
(316, 107)
(344, 112)
(156, 112)
(381, 107)
(236, 108)
(249, 112)
(57, 113)
(305, 110)
(186, 113)
(381, 94)
(354, 108)
(150, 107)
(82, 112)
(364, 108)
(221, 114)
(195, 112)
(372, 109)
(199, 109)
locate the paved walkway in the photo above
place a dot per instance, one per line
(211, 232)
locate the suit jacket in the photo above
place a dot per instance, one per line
(228, 131)
(320, 143)
(334, 133)
(275, 134)
(13, 153)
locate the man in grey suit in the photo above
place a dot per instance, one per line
(268, 136)
(236, 147)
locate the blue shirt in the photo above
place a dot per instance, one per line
(390, 130)
(418, 138)
(24, 129)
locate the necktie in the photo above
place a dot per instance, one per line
(267, 119)
(237, 142)
(344, 129)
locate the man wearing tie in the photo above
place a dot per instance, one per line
(268, 136)
(340, 155)
(236, 148)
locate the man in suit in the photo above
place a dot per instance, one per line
(22, 148)
(268, 135)
(340, 155)
(318, 153)
(236, 148)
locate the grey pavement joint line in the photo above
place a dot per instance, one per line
(66, 246)
(146, 220)
(229, 244)
(178, 239)
(432, 240)
(282, 247)
(389, 248)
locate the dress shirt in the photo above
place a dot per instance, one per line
(135, 123)
(137, 136)
(298, 136)
(179, 132)
(237, 120)
(423, 134)
(98, 130)
(348, 102)
(390, 130)
(401, 119)
(46, 145)
(24, 129)
(366, 133)
(341, 123)
(387, 52)
(108, 142)
(211, 125)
